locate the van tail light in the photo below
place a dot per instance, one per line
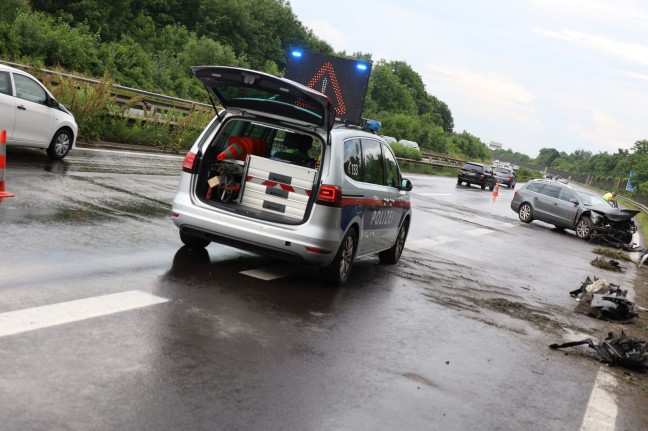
(188, 163)
(330, 196)
(515, 193)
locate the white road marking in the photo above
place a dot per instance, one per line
(434, 194)
(510, 225)
(477, 232)
(428, 242)
(29, 319)
(273, 272)
(602, 410)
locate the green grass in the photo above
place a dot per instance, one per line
(612, 253)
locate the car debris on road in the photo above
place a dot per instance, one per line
(603, 300)
(611, 265)
(615, 350)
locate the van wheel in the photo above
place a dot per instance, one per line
(584, 228)
(193, 242)
(60, 145)
(392, 255)
(525, 213)
(337, 273)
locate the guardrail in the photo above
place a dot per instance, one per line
(437, 159)
(154, 104)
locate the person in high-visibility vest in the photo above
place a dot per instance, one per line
(609, 197)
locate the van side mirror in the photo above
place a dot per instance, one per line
(574, 201)
(406, 185)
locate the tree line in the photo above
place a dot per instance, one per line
(602, 165)
(152, 44)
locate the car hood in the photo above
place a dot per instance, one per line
(247, 89)
(617, 214)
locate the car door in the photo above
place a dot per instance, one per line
(566, 207)
(372, 176)
(7, 105)
(34, 118)
(397, 198)
(545, 204)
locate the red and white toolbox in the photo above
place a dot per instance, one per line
(277, 187)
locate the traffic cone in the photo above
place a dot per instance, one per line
(496, 190)
(238, 147)
(3, 165)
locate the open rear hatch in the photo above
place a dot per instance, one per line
(263, 161)
(246, 89)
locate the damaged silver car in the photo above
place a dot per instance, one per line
(575, 208)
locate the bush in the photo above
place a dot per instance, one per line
(404, 152)
(526, 174)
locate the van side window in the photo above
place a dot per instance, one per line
(353, 160)
(374, 166)
(391, 169)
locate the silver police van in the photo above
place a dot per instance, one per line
(275, 174)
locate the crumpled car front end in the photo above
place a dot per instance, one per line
(613, 228)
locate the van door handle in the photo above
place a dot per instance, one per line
(22, 108)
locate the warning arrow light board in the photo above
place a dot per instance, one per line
(343, 80)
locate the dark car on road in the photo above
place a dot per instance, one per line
(476, 173)
(570, 207)
(505, 176)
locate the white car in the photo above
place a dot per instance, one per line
(273, 173)
(32, 117)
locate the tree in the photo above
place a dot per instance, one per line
(11, 9)
(469, 146)
(387, 94)
(547, 156)
(640, 147)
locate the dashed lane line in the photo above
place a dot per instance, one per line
(428, 242)
(273, 272)
(30, 319)
(478, 232)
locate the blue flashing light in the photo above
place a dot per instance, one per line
(361, 66)
(373, 125)
(297, 54)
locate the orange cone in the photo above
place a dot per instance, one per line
(496, 190)
(239, 147)
(3, 165)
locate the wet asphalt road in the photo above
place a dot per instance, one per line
(453, 338)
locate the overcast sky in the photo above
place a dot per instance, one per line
(567, 74)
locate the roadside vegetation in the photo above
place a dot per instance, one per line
(152, 45)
